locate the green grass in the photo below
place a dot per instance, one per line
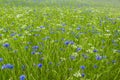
(91, 27)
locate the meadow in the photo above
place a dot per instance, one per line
(59, 40)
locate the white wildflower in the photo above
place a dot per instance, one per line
(77, 74)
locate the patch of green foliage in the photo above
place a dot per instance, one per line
(71, 42)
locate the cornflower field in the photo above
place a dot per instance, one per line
(59, 40)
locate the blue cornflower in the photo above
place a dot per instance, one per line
(78, 28)
(42, 58)
(7, 66)
(26, 47)
(36, 35)
(61, 49)
(15, 38)
(19, 34)
(78, 49)
(118, 51)
(72, 57)
(1, 59)
(82, 67)
(35, 47)
(95, 66)
(113, 61)
(71, 42)
(98, 57)
(4, 66)
(39, 52)
(13, 34)
(67, 42)
(6, 45)
(63, 29)
(104, 57)
(83, 74)
(85, 56)
(50, 63)
(42, 27)
(95, 50)
(22, 77)
(33, 52)
(40, 65)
